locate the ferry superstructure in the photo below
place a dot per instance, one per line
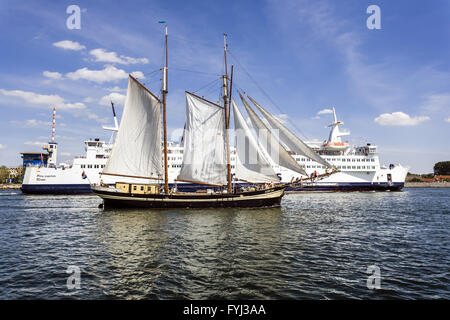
(359, 168)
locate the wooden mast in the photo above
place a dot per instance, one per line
(225, 100)
(164, 93)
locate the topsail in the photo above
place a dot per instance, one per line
(204, 143)
(251, 165)
(290, 139)
(277, 152)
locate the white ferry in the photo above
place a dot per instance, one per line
(359, 168)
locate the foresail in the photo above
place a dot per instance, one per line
(251, 165)
(204, 143)
(273, 147)
(290, 139)
(137, 147)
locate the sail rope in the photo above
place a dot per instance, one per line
(265, 93)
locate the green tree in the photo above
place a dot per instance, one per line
(442, 168)
(4, 174)
(18, 177)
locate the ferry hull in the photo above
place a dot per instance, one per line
(347, 187)
(67, 189)
(56, 188)
(263, 198)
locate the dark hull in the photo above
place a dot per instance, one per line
(190, 187)
(263, 198)
(56, 188)
(347, 187)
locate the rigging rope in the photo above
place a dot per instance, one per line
(265, 94)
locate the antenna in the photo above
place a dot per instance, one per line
(53, 126)
(114, 114)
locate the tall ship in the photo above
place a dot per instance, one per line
(359, 168)
(137, 154)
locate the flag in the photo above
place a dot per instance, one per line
(83, 175)
(162, 21)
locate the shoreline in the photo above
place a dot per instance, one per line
(427, 184)
(10, 186)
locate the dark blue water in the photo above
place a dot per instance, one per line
(316, 246)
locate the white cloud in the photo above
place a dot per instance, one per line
(2, 146)
(52, 75)
(31, 123)
(138, 75)
(117, 98)
(437, 102)
(88, 100)
(116, 88)
(34, 143)
(447, 120)
(399, 119)
(109, 73)
(282, 117)
(42, 99)
(69, 45)
(95, 117)
(104, 56)
(325, 111)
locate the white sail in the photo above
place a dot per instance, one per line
(290, 139)
(137, 148)
(251, 165)
(204, 143)
(273, 147)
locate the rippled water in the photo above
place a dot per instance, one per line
(316, 246)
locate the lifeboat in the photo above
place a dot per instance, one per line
(335, 145)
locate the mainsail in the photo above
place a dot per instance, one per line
(251, 165)
(277, 152)
(204, 143)
(137, 148)
(290, 139)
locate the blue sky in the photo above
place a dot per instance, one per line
(390, 86)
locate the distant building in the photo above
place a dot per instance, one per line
(15, 171)
(34, 159)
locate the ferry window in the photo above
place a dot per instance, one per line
(83, 166)
(358, 160)
(373, 167)
(359, 167)
(353, 167)
(373, 160)
(142, 188)
(134, 188)
(308, 166)
(353, 160)
(89, 166)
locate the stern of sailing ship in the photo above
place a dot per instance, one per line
(124, 195)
